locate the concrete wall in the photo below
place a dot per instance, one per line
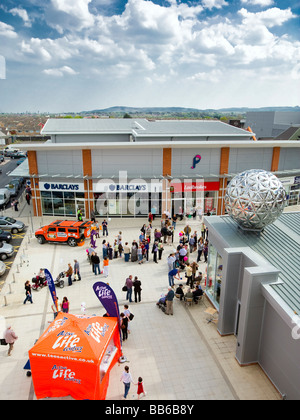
(138, 163)
(243, 159)
(289, 159)
(182, 162)
(64, 162)
(90, 138)
(279, 354)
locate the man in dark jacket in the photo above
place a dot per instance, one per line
(137, 289)
(169, 301)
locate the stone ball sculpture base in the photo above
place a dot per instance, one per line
(255, 199)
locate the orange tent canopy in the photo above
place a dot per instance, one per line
(74, 357)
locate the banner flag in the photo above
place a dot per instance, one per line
(108, 299)
(51, 286)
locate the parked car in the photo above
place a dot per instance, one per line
(4, 197)
(17, 155)
(13, 189)
(8, 223)
(6, 251)
(5, 236)
(19, 181)
(2, 268)
(66, 231)
(1, 158)
(20, 161)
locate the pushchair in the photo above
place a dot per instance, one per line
(162, 303)
(59, 280)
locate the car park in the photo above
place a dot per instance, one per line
(5, 236)
(6, 251)
(64, 231)
(8, 223)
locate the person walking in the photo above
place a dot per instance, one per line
(140, 390)
(28, 198)
(129, 284)
(79, 215)
(126, 378)
(69, 273)
(124, 326)
(205, 251)
(105, 266)
(126, 252)
(65, 306)
(104, 249)
(10, 337)
(28, 292)
(15, 204)
(105, 228)
(154, 252)
(160, 249)
(200, 248)
(77, 275)
(169, 301)
(137, 289)
(96, 262)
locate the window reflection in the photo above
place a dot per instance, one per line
(214, 275)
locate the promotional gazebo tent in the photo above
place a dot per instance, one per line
(74, 357)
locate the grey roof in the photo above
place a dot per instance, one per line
(88, 125)
(279, 244)
(142, 127)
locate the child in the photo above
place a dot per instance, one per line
(105, 266)
(140, 389)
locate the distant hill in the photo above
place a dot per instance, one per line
(156, 110)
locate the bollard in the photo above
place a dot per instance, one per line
(5, 301)
(14, 278)
(10, 290)
(18, 268)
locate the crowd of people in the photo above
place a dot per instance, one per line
(185, 250)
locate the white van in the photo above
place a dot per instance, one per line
(4, 197)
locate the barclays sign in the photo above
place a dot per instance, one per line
(61, 186)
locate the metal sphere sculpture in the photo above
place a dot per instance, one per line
(255, 199)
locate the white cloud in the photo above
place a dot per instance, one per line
(7, 31)
(22, 13)
(263, 3)
(78, 10)
(60, 72)
(210, 4)
(269, 18)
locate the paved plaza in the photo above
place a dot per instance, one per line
(180, 357)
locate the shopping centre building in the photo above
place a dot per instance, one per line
(253, 282)
(129, 167)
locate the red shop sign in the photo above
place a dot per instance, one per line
(195, 186)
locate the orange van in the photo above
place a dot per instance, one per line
(64, 231)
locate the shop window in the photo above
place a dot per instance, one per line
(47, 206)
(214, 275)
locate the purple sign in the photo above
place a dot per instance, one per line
(108, 299)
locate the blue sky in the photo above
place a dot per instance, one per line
(74, 55)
